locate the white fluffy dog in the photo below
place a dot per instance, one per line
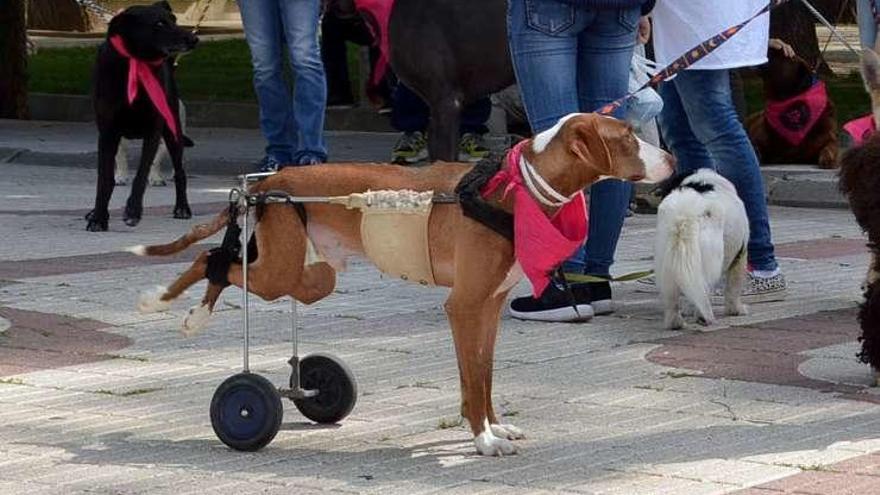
(702, 233)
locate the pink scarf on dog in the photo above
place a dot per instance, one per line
(140, 73)
(860, 129)
(795, 117)
(540, 244)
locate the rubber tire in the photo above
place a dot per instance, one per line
(336, 385)
(261, 426)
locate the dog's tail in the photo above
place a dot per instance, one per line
(196, 234)
(694, 254)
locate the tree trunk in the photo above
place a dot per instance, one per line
(57, 15)
(13, 53)
(794, 24)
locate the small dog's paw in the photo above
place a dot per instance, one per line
(121, 181)
(507, 431)
(97, 225)
(489, 444)
(196, 320)
(673, 321)
(132, 216)
(90, 215)
(182, 212)
(705, 321)
(158, 182)
(151, 301)
(737, 310)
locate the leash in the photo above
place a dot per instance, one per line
(708, 46)
(628, 277)
(91, 5)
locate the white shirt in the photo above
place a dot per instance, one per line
(680, 25)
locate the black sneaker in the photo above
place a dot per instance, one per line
(554, 305)
(596, 294)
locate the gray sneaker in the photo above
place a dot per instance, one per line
(412, 147)
(756, 290)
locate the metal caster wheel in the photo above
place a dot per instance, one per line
(335, 384)
(246, 412)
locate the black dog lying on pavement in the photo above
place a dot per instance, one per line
(135, 97)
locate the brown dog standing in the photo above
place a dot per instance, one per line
(804, 128)
(477, 263)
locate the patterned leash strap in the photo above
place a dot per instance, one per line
(693, 56)
(96, 8)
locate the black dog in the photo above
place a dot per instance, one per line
(451, 53)
(147, 34)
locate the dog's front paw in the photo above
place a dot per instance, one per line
(182, 212)
(97, 225)
(507, 431)
(489, 444)
(121, 180)
(132, 215)
(151, 301)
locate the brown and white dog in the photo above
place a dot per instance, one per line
(467, 256)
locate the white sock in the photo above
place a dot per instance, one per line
(765, 273)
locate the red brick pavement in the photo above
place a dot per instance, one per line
(857, 476)
(765, 353)
(816, 249)
(37, 341)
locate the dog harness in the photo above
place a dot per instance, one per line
(140, 73)
(540, 243)
(394, 232)
(794, 118)
(860, 129)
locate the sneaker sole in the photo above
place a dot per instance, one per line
(566, 314)
(775, 296)
(605, 307)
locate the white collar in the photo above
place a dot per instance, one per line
(534, 182)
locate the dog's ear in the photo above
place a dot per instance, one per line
(165, 5)
(587, 141)
(871, 69)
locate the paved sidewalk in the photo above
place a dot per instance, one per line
(96, 398)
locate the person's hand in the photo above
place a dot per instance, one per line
(778, 44)
(644, 30)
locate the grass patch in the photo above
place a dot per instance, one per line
(11, 381)
(216, 71)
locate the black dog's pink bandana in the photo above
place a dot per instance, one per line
(795, 117)
(140, 72)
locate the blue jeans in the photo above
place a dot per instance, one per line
(867, 24)
(700, 126)
(293, 127)
(573, 59)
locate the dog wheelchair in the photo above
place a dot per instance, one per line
(246, 409)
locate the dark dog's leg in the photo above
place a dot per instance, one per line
(134, 208)
(443, 133)
(175, 151)
(108, 145)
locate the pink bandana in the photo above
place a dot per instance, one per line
(378, 13)
(795, 117)
(140, 71)
(540, 243)
(860, 129)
